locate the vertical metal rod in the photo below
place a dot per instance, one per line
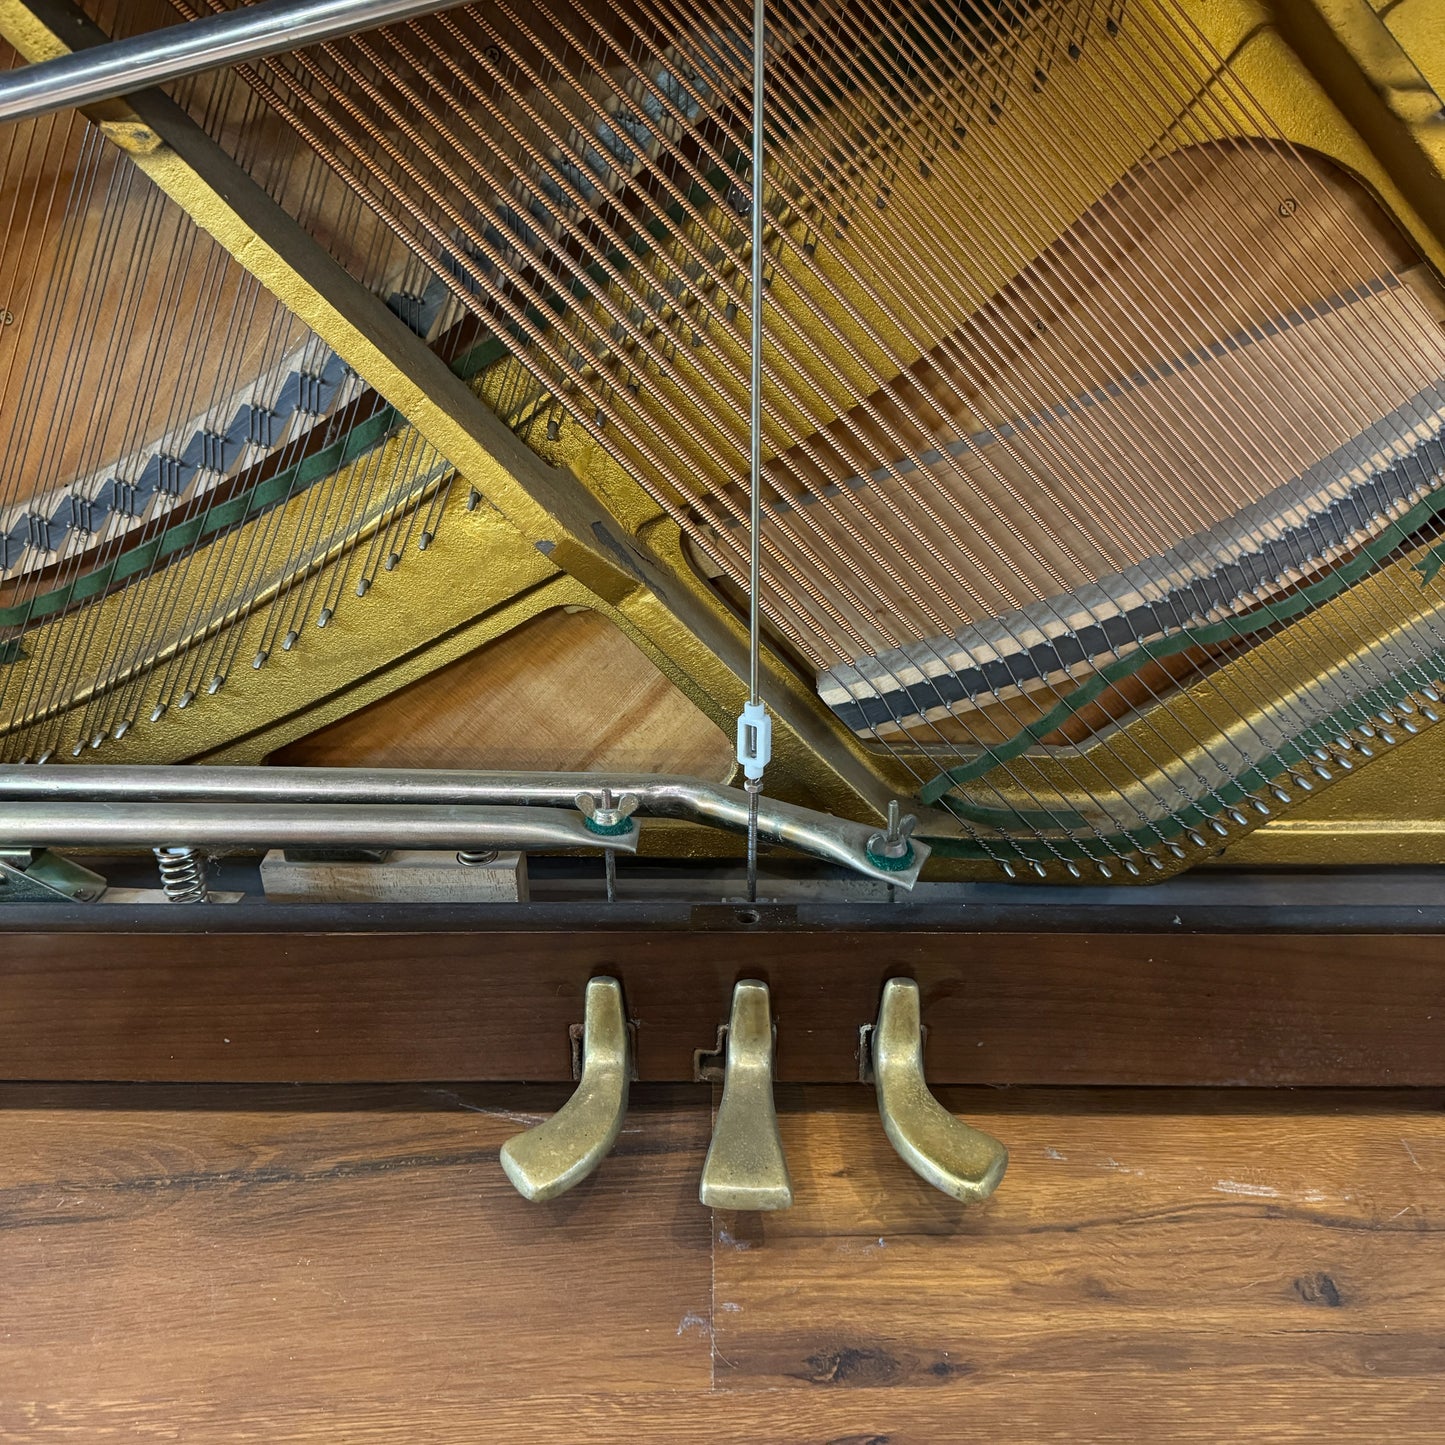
(609, 863)
(755, 431)
(753, 843)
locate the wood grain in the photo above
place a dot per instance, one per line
(1157, 1236)
(566, 692)
(1036, 1008)
(295, 1244)
(332, 1265)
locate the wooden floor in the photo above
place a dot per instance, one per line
(329, 1264)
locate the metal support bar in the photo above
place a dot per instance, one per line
(127, 825)
(821, 835)
(157, 56)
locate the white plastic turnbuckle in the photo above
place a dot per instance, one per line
(755, 740)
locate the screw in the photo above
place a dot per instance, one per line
(893, 843)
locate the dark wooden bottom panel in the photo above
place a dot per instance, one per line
(1021, 1008)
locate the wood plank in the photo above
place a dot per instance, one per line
(319, 1264)
(1153, 1238)
(1111, 1409)
(1037, 1008)
(179, 1246)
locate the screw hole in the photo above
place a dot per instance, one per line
(749, 916)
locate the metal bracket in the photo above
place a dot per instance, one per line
(709, 1066)
(866, 1073)
(36, 875)
(577, 1033)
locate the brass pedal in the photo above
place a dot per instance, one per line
(745, 1167)
(962, 1161)
(552, 1158)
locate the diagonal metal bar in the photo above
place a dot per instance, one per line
(157, 56)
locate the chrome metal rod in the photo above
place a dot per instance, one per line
(252, 32)
(226, 826)
(821, 835)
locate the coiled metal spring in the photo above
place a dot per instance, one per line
(477, 857)
(183, 875)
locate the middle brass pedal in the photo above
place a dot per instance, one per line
(745, 1167)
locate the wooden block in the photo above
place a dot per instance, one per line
(405, 875)
(1181, 1008)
